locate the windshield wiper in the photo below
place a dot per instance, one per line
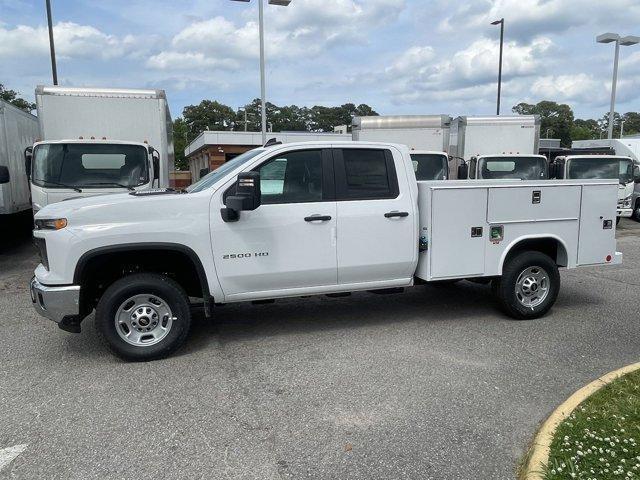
(113, 184)
(72, 187)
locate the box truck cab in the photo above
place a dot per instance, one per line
(581, 167)
(65, 169)
(493, 135)
(96, 141)
(515, 167)
(18, 130)
(627, 147)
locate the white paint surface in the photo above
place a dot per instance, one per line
(7, 455)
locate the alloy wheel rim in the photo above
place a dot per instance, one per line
(532, 286)
(143, 320)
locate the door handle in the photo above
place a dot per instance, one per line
(317, 218)
(396, 214)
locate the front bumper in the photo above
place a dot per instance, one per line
(55, 303)
(625, 212)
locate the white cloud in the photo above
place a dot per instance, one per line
(464, 74)
(71, 41)
(577, 87)
(529, 18)
(311, 27)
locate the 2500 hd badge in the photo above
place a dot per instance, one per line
(233, 256)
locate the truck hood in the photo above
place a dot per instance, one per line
(96, 205)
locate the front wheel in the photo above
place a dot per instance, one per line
(143, 317)
(636, 211)
(529, 285)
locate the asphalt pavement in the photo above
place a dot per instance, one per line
(430, 383)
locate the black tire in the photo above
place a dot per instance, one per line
(636, 211)
(617, 220)
(153, 284)
(505, 287)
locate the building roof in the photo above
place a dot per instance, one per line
(254, 139)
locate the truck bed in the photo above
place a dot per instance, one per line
(458, 218)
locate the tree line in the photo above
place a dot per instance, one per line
(557, 120)
(213, 115)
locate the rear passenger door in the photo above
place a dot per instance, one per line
(376, 218)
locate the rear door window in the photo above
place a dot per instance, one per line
(365, 174)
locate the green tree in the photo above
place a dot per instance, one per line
(180, 142)
(12, 97)
(555, 118)
(631, 123)
(585, 129)
(208, 115)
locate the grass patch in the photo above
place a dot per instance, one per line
(601, 438)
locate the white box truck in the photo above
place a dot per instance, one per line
(95, 141)
(593, 166)
(627, 147)
(18, 131)
(307, 219)
(513, 137)
(427, 136)
(418, 132)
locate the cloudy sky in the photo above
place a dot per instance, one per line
(399, 56)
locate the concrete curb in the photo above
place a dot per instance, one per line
(539, 453)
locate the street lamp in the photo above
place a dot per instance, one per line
(54, 69)
(624, 41)
(621, 128)
(501, 23)
(263, 94)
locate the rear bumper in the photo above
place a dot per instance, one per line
(55, 302)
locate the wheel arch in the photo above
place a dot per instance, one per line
(96, 257)
(549, 244)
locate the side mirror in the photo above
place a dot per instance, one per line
(28, 155)
(247, 196)
(558, 170)
(156, 167)
(463, 171)
(4, 174)
(636, 174)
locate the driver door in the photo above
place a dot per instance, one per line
(289, 242)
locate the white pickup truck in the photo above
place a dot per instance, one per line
(308, 218)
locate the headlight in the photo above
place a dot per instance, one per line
(51, 223)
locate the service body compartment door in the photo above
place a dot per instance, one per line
(598, 206)
(533, 203)
(458, 232)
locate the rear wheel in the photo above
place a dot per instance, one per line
(636, 211)
(529, 285)
(143, 317)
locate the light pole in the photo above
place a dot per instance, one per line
(624, 41)
(548, 130)
(501, 23)
(263, 89)
(621, 128)
(52, 48)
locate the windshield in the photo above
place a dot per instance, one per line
(595, 168)
(59, 165)
(430, 166)
(211, 178)
(522, 168)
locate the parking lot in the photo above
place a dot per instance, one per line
(431, 383)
